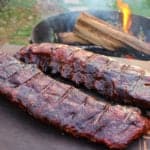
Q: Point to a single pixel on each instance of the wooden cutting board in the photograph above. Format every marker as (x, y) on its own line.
(19, 131)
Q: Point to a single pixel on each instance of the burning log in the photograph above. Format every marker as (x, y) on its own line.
(101, 33)
(71, 38)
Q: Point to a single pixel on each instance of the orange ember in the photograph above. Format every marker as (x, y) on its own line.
(126, 11)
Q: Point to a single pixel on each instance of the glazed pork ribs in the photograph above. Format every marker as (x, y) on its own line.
(116, 81)
(68, 108)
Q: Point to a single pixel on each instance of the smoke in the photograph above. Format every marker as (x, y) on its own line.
(99, 4)
(89, 4)
(53, 7)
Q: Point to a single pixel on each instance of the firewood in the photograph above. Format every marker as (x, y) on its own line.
(102, 33)
(71, 38)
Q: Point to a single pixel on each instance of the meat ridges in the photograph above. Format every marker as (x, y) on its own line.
(67, 107)
(119, 82)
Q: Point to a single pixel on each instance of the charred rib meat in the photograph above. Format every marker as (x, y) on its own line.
(67, 107)
(118, 82)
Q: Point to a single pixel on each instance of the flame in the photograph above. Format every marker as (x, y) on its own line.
(126, 11)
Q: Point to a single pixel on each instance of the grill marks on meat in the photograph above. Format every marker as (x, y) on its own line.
(119, 82)
(68, 108)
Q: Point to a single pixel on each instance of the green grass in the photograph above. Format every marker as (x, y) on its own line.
(17, 21)
(18, 17)
(22, 3)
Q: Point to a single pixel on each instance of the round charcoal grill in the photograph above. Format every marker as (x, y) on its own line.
(46, 29)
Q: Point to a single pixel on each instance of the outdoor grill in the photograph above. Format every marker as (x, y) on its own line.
(45, 31)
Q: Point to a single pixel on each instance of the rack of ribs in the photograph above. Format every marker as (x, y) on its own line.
(68, 108)
(116, 81)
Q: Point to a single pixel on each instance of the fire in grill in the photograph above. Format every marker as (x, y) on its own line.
(59, 28)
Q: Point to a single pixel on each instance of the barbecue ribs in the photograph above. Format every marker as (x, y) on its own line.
(116, 81)
(68, 108)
